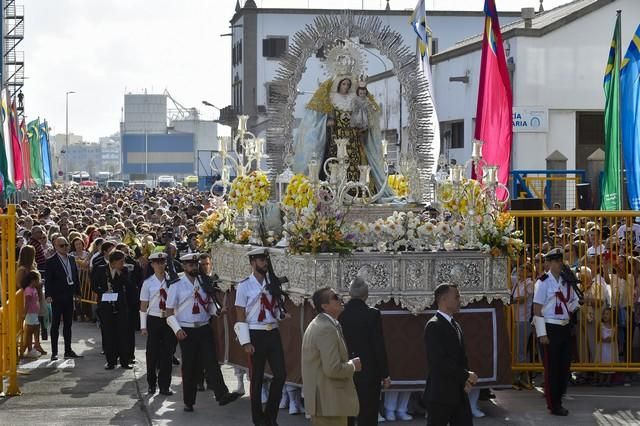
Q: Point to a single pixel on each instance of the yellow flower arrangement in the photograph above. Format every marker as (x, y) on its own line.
(460, 200)
(399, 185)
(249, 191)
(216, 228)
(299, 193)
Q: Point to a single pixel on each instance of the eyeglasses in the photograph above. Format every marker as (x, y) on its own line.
(63, 245)
(335, 296)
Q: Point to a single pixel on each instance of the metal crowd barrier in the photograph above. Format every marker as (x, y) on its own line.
(603, 249)
(12, 304)
(86, 294)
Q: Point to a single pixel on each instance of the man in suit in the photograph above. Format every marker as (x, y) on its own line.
(448, 376)
(327, 371)
(61, 285)
(362, 329)
(112, 283)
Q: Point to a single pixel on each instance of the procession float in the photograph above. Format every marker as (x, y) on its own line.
(327, 202)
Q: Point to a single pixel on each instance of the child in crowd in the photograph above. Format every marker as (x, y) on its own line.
(606, 347)
(31, 284)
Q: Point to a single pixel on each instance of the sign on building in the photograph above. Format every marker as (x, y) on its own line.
(530, 119)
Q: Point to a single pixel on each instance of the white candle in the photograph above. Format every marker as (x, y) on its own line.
(477, 150)
(223, 145)
(384, 147)
(314, 171)
(242, 123)
(364, 174)
(225, 174)
(491, 174)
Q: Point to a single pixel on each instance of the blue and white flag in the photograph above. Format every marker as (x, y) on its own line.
(630, 118)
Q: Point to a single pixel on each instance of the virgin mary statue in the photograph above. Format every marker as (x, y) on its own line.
(328, 116)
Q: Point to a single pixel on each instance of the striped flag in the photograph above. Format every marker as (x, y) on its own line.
(494, 126)
(630, 118)
(33, 133)
(7, 166)
(419, 24)
(18, 161)
(611, 199)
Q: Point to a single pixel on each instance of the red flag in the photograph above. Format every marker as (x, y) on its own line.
(22, 135)
(18, 166)
(495, 102)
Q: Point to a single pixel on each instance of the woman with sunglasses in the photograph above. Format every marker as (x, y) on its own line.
(161, 341)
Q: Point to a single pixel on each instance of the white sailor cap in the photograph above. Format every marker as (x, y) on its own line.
(554, 254)
(191, 257)
(260, 251)
(159, 255)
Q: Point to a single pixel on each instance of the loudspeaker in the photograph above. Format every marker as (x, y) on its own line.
(583, 190)
(531, 227)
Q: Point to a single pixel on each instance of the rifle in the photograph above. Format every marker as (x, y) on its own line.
(274, 286)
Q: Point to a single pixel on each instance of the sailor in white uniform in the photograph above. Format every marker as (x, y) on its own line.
(161, 342)
(189, 309)
(258, 313)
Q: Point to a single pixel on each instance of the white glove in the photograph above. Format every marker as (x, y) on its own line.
(540, 325)
(143, 320)
(172, 322)
(242, 331)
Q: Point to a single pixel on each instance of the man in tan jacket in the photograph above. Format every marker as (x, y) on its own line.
(327, 372)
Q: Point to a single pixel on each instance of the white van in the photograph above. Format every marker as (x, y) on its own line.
(166, 181)
(115, 184)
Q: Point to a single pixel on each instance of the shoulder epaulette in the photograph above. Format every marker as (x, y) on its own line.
(543, 276)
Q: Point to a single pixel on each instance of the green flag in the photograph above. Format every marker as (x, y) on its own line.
(611, 188)
(33, 134)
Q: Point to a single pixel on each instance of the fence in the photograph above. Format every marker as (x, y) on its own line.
(552, 186)
(603, 248)
(12, 304)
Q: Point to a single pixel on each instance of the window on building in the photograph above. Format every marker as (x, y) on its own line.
(236, 53)
(434, 46)
(590, 128)
(589, 135)
(391, 136)
(274, 47)
(451, 135)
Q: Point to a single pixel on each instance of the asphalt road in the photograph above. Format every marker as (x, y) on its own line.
(81, 392)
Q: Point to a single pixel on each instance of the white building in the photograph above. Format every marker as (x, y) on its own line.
(260, 36)
(557, 61)
(110, 154)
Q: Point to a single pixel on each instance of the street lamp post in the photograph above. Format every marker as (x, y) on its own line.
(66, 142)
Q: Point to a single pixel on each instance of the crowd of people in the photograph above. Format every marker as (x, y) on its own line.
(603, 258)
(139, 251)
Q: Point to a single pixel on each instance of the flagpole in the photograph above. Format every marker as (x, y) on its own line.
(621, 159)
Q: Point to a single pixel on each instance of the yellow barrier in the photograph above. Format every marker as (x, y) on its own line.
(12, 310)
(86, 294)
(604, 249)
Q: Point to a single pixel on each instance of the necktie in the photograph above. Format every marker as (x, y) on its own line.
(455, 325)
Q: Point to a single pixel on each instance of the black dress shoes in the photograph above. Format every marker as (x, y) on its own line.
(151, 391)
(126, 366)
(71, 354)
(560, 411)
(188, 408)
(109, 367)
(228, 398)
(166, 392)
(54, 357)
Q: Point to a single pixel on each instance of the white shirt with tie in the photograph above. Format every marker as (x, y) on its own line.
(150, 292)
(181, 299)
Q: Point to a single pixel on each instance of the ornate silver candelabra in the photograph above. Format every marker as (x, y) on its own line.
(340, 190)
